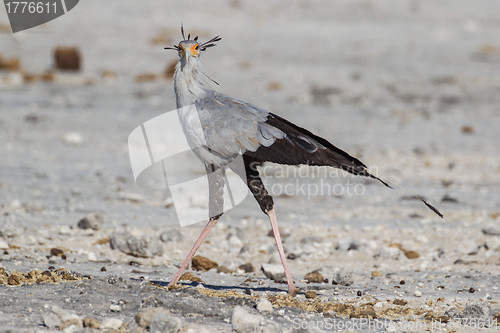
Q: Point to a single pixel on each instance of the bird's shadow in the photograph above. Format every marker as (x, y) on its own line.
(246, 290)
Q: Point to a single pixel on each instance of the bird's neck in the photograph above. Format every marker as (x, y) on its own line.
(188, 82)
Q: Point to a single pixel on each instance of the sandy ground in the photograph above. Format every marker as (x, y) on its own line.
(410, 87)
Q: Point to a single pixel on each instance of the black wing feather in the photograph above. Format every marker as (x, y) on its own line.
(303, 147)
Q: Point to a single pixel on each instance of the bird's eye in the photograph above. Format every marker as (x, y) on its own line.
(196, 47)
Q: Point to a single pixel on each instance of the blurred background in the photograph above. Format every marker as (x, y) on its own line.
(410, 87)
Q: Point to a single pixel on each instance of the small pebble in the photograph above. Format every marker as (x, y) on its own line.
(264, 305)
(51, 320)
(144, 246)
(165, 322)
(244, 321)
(115, 308)
(91, 256)
(111, 323)
(479, 311)
(172, 235)
(311, 294)
(467, 129)
(411, 254)
(273, 272)
(343, 278)
(347, 244)
(67, 58)
(57, 253)
(376, 274)
(201, 263)
(145, 317)
(190, 277)
(247, 268)
(235, 242)
(389, 252)
(90, 322)
(224, 269)
(418, 293)
(73, 138)
(400, 302)
(314, 277)
(92, 221)
(491, 231)
(3, 245)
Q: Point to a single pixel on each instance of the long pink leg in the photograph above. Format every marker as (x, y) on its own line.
(195, 248)
(292, 291)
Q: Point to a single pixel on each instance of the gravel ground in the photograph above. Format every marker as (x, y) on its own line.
(410, 87)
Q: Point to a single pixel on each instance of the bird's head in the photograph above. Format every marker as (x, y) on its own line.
(191, 47)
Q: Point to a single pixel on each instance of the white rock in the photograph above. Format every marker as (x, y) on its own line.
(342, 278)
(479, 311)
(64, 314)
(235, 242)
(264, 305)
(15, 204)
(391, 328)
(493, 243)
(51, 320)
(145, 317)
(418, 293)
(165, 322)
(491, 231)
(115, 308)
(91, 221)
(91, 256)
(3, 245)
(171, 235)
(73, 138)
(274, 272)
(389, 252)
(111, 323)
(244, 321)
(144, 246)
(346, 244)
(422, 239)
(65, 230)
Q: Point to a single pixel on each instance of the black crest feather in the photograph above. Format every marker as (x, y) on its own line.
(203, 46)
(209, 43)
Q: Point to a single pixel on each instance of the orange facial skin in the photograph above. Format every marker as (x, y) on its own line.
(193, 50)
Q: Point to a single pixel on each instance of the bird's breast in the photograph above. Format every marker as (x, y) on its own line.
(192, 125)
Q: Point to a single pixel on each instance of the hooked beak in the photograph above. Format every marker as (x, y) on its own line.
(188, 52)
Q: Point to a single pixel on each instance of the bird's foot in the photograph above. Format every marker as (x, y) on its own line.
(292, 291)
(172, 286)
